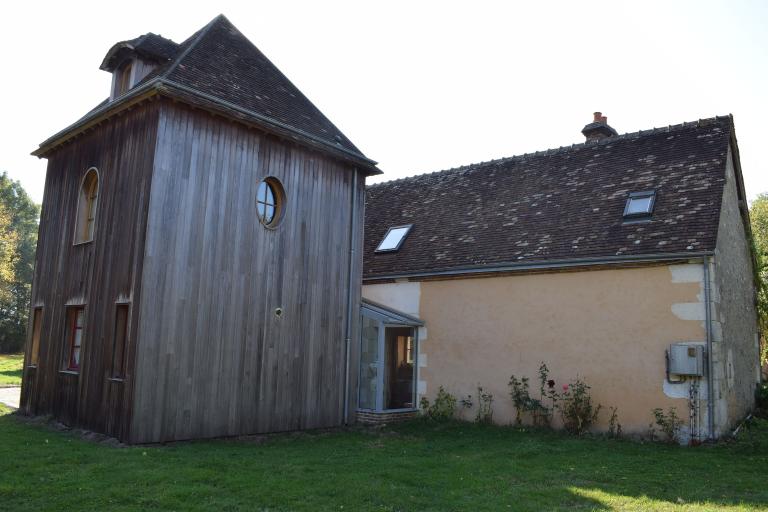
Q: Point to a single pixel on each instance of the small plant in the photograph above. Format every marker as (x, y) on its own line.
(576, 407)
(524, 403)
(651, 432)
(761, 399)
(521, 398)
(614, 427)
(542, 415)
(484, 406)
(443, 407)
(466, 403)
(669, 423)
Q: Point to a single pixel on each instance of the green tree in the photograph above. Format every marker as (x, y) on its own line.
(19, 217)
(758, 215)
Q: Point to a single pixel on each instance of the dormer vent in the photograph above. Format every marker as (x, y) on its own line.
(131, 61)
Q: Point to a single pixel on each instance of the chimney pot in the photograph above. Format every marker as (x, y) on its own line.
(598, 128)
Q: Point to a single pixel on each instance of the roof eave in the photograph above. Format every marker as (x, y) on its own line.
(541, 265)
(171, 89)
(98, 115)
(180, 91)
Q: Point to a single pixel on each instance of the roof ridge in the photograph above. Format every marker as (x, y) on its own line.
(189, 48)
(298, 91)
(554, 151)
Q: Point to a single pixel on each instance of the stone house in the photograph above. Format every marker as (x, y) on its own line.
(624, 260)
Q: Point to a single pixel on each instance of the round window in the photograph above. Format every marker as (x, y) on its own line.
(269, 202)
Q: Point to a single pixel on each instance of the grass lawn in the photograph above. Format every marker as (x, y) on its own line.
(10, 369)
(415, 466)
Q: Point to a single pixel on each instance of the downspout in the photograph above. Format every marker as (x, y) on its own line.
(350, 284)
(710, 380)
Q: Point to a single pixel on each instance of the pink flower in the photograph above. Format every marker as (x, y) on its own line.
(565, 387)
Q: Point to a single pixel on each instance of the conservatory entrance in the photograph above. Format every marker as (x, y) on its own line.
(388, 364)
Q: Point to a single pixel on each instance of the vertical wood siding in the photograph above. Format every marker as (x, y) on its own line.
(213, 358)
(95, 274)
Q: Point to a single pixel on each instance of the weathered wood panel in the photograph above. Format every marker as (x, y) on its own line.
(213, 357)
(96, 274)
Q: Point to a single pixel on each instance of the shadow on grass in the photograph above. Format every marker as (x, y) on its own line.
(414, 466)
(12, 374)
(11, 369)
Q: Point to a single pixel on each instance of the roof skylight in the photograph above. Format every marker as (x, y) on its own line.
(640, 204)
(394, 238)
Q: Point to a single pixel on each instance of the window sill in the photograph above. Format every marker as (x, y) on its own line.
(83, 242)
(69, 372)
(116, 379)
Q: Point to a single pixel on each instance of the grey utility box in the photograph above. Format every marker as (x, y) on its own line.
(686, 359)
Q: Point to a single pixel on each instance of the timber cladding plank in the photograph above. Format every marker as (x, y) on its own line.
(213, 357)
(94, 274)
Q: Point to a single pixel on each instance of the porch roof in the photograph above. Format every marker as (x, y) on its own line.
(392, 315)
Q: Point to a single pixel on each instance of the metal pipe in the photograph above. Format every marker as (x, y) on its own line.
(350, 271)
(710, 379)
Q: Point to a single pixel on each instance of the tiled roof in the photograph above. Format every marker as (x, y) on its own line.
(557, 205)
(225, 64)
(218, 64)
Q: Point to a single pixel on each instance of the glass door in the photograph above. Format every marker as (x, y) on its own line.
(369, 364)
(399, 368)
(387, 365)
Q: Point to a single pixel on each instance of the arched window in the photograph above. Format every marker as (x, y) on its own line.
(269, 202)
(86, 206)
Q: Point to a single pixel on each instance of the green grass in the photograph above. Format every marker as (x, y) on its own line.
(10, 369)
(414, 466)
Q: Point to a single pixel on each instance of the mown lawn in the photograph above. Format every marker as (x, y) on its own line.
(414, 466)
(10, 369)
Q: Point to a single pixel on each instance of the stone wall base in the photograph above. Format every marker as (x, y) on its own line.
(379, 418)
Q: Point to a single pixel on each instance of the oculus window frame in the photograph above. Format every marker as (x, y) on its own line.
(645, 213)
(406, 230)
(270, 202)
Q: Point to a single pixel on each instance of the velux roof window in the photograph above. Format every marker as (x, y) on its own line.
(394, 238)
(639, 204)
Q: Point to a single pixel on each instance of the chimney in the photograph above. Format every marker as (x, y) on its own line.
(598, 128)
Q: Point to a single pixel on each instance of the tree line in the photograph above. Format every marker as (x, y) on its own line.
(758, 216)
(19, 218)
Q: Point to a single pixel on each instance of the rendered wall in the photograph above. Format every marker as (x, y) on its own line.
(610, 327)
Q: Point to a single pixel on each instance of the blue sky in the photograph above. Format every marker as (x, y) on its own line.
(423, 86)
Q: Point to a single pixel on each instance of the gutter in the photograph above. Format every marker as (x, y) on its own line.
(543, 265)
(710, 377)
(350, 286)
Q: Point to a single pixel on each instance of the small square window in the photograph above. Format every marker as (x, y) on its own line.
(640, 204)
(394, 238)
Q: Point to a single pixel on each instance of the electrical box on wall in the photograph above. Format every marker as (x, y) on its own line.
(686, 359)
